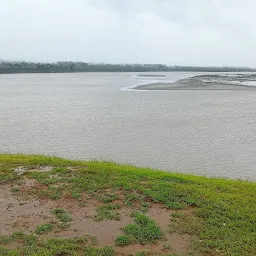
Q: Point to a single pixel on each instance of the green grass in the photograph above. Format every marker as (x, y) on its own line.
(62, 215)
(61, 170)
(52, 192)
(175, 205)
(108, 198)
(145, 206)
(124, 240)
(106, 212)
(167, 247)
(143, 231)
(141, 254)
(11, 238)
(223, 210)
(105, 251)
(30, 245)
(15, 190)
(176, 214)
(186, 224)
(45, 228)
(63, 225)
(131, 199)
(76, 195)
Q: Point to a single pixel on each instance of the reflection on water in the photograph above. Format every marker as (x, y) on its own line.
(87, 116)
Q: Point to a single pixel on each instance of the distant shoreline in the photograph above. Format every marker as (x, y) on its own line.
(14, 67)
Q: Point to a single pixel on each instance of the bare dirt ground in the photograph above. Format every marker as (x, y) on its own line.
(24, 211)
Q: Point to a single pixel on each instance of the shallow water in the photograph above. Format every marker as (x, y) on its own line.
(99, 116)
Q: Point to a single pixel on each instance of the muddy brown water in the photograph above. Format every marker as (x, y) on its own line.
(97, 116)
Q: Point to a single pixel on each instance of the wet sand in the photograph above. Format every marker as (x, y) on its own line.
(150, 75)
(194, 84)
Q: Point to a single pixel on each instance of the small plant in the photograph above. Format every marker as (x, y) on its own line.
(130, 199)
(191, 201)
(60, 170)
(11, 238)
(45, 228)
(63, 225)
(51, 192)
(145, 206)
(129, 203)
(123, 240)
(105, 251)
(43, 178)
(30, 240)
(94, 240)
(15, 189)
(186, 224)
(143, 231)
(176, 215)
(55, 193)
(141, 254)
(174, 205)
(76, 195)
(6, 239)
(105, 212)
(108, 198)
(18, 235)
(167, 247)
(62, 215)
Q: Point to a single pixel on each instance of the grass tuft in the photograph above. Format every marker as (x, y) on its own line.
(123, 240)
(108, 198)
(105, 251)
(45, 228)
(15, 190)
(106, 212)
(62, 215)
(141, 254)
(143, 231)
(174, 205)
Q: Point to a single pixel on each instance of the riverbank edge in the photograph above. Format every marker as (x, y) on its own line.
(223, 208)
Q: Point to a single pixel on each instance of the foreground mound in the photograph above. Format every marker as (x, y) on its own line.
(51, 206)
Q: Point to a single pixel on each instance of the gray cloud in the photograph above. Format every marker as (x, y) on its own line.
(184, 32)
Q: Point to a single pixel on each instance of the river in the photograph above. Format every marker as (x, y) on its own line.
(99, 116)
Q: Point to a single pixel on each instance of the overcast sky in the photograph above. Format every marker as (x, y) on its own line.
(182, 32)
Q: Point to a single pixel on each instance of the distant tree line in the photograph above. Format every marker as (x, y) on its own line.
(9, 67)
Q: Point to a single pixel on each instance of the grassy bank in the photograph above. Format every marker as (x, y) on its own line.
(209, 216)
